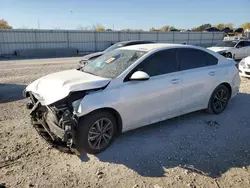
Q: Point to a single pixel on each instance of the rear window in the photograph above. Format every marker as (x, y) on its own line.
(211, 60)
(191, 59)
(194, 58)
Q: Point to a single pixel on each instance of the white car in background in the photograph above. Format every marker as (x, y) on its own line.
(128, 88)
(236, 49)
(244, 67)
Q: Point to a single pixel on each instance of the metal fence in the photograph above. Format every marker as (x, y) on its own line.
(90, 41)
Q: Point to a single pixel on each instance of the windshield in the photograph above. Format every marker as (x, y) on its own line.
(113, 47)
(112, 64)
(226, 44)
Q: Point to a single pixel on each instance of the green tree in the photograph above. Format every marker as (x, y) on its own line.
(230, 25)
(246, 26)
(202, 27)
(4, 24)
(165, 28)
(221, 25)
(172, 28)
(99, 28)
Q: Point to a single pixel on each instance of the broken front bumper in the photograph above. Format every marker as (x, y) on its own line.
(58, 129)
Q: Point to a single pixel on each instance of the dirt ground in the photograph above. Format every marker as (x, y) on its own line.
(195, 150)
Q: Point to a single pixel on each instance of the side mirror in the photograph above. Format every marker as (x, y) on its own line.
(238, 46)
(139, 75)
(83, 63)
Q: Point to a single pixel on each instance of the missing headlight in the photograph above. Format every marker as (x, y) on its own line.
(76, 104)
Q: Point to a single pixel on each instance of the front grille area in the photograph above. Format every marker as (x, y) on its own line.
(47, 120)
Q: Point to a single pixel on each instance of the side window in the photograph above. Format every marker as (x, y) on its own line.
(246, 43)
(211, 60)
(192, 58)
(162, 62)
(240, 44)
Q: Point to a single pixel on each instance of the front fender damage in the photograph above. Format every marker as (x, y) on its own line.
(57, 123)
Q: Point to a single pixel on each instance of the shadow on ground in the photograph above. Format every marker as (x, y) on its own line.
(11, 92)
(203, 143)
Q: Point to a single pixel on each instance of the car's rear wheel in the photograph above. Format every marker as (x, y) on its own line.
(219, 100)
(95, 132)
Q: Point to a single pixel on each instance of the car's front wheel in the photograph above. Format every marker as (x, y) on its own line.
(228, 55)
(95, 132)
(219, 100)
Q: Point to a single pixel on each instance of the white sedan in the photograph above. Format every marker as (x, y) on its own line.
(244, 67)
(236, 49)
(128, 88)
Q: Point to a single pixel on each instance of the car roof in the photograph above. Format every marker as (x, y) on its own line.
(155, 46)
(133, 41)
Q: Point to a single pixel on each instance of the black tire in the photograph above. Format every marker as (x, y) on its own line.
(218, 100)
(229, 55)
(87, 126)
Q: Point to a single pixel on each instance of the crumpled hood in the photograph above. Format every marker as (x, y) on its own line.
(56, 86)
(89, 56)
(219, 49)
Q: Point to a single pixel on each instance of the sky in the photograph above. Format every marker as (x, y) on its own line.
(122, 14)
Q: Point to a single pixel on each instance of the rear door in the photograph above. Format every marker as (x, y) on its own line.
(198, 70)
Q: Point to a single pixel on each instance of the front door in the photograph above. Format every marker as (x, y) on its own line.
(239, 51)
(246, 48)
(149, 101)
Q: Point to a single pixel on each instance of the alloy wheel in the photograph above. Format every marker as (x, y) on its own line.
(100, 134)
(220, 100)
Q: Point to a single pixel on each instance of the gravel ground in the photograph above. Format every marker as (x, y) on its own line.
(195, 150)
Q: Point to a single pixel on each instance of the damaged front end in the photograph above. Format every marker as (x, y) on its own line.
(56, 122)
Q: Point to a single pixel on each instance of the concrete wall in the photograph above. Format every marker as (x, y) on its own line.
(91, 41)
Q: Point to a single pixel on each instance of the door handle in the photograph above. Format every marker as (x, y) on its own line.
(175, 81)
(212, 73)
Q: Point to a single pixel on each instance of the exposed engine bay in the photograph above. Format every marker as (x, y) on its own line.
(57, 122)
